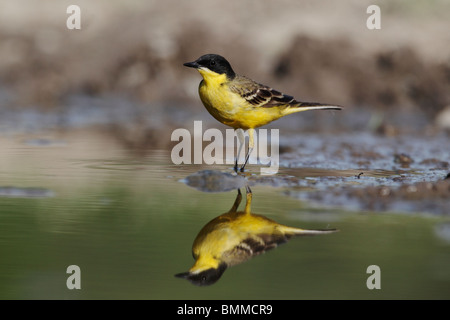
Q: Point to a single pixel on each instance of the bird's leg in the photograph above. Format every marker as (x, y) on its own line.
(241, 138)
(248, 204)
(237, 202)
(251, 144)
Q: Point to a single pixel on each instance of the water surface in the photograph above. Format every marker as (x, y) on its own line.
(129, 222)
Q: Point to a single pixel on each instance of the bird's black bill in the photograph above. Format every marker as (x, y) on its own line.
(206, 277)
(183, 275)
(193, 64)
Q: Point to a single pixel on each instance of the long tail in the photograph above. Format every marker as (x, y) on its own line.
(305, 232)
(304, 106)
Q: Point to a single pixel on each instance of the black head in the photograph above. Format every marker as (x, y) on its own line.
(204, 278)
(213, 62)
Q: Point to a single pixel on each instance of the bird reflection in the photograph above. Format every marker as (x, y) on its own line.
(235, 237)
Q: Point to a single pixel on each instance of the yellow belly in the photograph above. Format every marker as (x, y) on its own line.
(218, 239)
(232, 110)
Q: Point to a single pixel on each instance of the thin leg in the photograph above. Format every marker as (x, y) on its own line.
(237, 202)
(248, 204)
(241, 138)
(251, 144)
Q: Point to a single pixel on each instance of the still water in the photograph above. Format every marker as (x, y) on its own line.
(129, 221)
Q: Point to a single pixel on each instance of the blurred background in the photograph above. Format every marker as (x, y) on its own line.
(125, 63)
(86, 118)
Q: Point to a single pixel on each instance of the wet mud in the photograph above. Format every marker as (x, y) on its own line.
(362, 173)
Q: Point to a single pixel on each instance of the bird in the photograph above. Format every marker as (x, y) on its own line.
(235, 237)
(242, 103)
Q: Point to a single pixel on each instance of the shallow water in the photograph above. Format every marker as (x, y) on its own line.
(129, 222)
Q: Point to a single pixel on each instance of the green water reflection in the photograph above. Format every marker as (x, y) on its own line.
(235, 237)
(129, 225)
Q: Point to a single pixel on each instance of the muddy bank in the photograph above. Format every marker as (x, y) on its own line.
(337, 71)
(136, 54)
(332, 71)
(421, 197)
(366, 172)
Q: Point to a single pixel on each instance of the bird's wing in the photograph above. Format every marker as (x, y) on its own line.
(259, 95)
(253, 245)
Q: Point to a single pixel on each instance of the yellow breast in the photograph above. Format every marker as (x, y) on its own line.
(216, 97)
(229, 107)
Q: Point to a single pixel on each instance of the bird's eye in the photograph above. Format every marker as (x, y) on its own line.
(212, 63)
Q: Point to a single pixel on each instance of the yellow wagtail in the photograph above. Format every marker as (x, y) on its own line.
(242, 103)
(235, 237)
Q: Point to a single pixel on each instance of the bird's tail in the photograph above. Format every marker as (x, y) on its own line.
(307, 232)
(305, 106)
